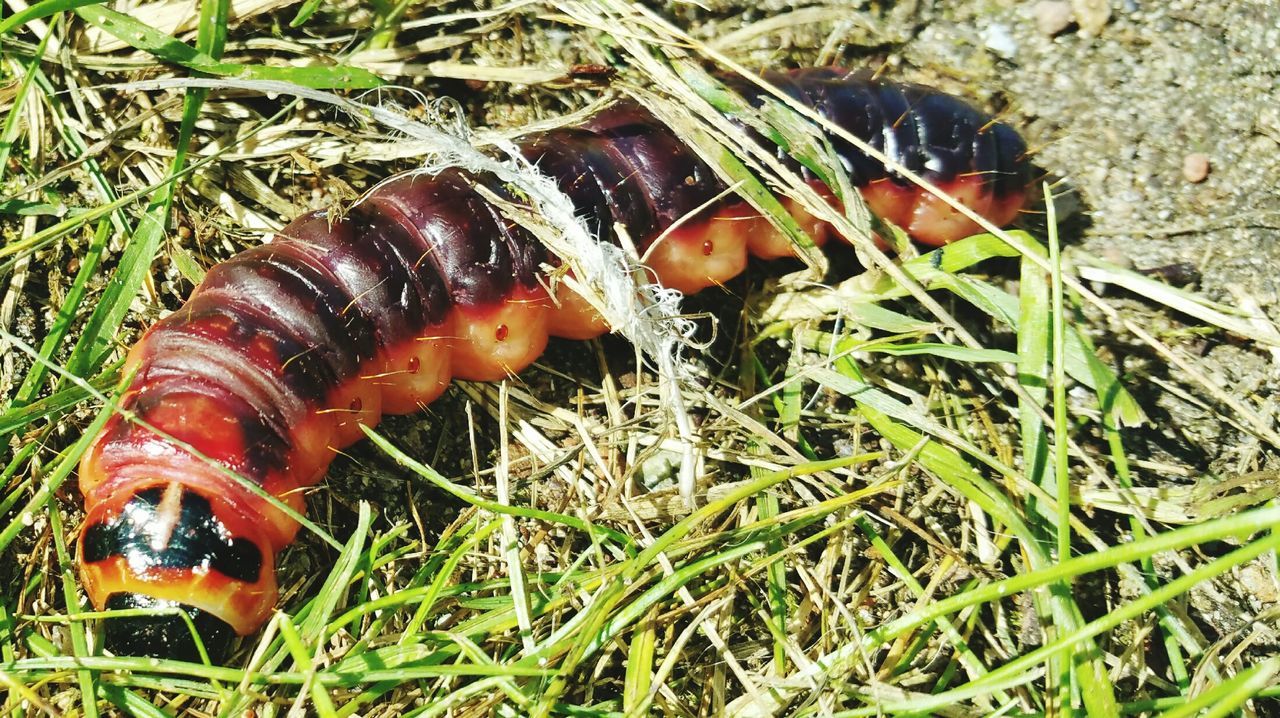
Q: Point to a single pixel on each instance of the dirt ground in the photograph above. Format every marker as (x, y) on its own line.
(1117, 115)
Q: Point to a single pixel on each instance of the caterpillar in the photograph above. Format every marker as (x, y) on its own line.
(286, 349)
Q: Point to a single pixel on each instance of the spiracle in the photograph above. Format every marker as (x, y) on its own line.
(284, 350)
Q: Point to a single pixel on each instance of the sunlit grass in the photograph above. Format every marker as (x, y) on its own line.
(912, 484)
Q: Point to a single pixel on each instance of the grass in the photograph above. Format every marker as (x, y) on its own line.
(919, 491)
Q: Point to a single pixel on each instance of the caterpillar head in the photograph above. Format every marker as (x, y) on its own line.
(191, 560)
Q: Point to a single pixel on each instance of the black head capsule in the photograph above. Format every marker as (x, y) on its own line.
(165, 634)
(168, 551)
(153, 533)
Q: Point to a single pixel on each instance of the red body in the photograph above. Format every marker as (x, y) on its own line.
(284, 350)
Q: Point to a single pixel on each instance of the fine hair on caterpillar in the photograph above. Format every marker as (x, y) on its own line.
(287, 349)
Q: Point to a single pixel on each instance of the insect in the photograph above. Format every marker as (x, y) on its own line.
(284, 350)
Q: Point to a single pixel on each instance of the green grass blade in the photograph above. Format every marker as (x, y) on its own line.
(41, 10)
(168, 48)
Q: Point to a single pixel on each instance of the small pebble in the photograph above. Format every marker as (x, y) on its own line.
(1053, 16)
(1195, 167)
(999, 40)
(1092, 15)
(1118, 257)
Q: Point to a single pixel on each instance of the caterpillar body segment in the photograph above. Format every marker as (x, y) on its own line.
(284, 350)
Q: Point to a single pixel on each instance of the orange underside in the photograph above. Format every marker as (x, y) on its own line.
(479, 343)
(698, 255)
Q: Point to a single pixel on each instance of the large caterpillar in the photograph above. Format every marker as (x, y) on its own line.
(285, 349)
